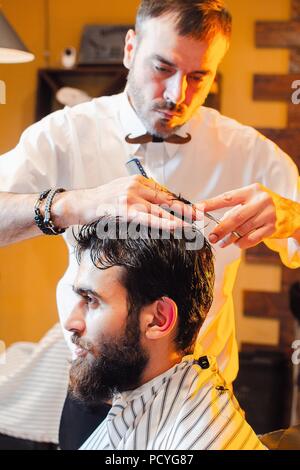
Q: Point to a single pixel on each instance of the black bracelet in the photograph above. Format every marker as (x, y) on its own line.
(45, 224)
(47, 218)
(38, 218)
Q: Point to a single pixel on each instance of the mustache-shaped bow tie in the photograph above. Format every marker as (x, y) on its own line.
(146, 138)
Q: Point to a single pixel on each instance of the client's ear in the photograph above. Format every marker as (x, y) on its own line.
(163, 318)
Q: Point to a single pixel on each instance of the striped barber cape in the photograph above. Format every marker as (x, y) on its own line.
(187, 407)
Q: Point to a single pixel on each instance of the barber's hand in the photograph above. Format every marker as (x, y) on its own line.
(257, 213)
(132, 198)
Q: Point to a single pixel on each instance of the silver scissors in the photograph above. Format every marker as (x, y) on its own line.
(218, 221)
(135, 167)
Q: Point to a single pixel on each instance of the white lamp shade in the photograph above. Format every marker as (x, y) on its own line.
(12, 49)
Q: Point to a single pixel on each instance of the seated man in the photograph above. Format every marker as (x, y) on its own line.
(142, 299)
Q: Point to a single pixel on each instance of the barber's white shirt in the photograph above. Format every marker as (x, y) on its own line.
(84, 147)
(33, 387)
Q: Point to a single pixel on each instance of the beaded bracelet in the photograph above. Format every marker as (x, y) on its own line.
(47, 217)
(38, 215)
(45, 224)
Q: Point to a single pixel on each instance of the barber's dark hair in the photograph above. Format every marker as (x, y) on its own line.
(155, 267)
(200, 19)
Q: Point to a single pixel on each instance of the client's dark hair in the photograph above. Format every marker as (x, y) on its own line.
(155, 265)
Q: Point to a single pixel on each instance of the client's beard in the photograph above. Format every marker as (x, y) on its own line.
(118, 366)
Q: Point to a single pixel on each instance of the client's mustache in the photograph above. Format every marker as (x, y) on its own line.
(82, 343)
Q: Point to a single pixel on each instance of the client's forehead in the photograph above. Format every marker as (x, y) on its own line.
(93, 278)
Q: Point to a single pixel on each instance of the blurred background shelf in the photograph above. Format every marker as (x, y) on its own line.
(98, 80)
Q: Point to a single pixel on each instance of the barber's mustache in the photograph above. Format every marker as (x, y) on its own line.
(82, 343)
(162, 105)
(146, 138)
(167, 105)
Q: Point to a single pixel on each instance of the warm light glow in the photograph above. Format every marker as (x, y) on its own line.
(12, 48)
(13, 56)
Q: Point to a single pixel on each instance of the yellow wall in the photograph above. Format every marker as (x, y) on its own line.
(29, 271)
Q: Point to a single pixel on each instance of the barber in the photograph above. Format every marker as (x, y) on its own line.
(71, 168)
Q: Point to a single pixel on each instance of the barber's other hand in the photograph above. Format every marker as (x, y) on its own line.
(257, 213)
(132, 197)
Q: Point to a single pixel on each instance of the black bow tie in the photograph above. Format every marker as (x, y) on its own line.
(146, 138)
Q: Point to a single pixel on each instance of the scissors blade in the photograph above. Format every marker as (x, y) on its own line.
(211, 217)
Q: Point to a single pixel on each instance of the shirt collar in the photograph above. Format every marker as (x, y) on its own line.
(173, 148)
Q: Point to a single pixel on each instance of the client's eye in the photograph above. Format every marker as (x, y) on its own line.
(91, 301)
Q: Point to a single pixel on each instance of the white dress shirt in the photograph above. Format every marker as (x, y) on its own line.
(185, 408)
(33, 387)
(84, 147)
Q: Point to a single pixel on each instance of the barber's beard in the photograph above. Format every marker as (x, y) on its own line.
(145, 110)
(117, 367)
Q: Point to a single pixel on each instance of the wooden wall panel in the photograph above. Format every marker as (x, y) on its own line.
(261, 254)
(277, 34)
(270, 305)
(295, 61)
(294, 116)
(274, 87)
(295, 10)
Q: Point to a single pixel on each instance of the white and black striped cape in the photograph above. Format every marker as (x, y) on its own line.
(185, 408)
